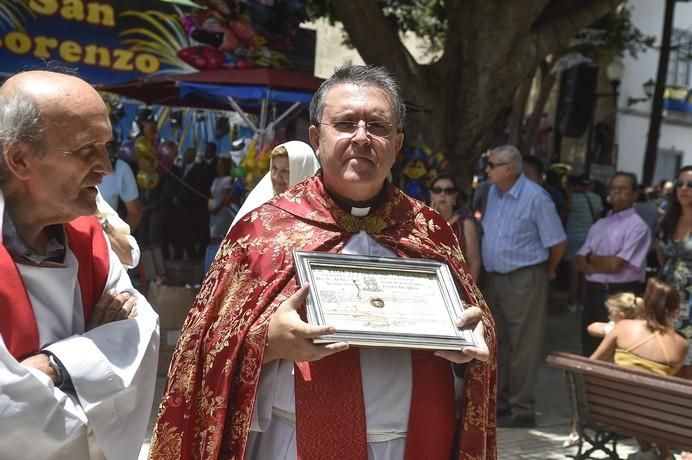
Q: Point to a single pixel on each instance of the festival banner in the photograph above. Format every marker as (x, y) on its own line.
(119, 40)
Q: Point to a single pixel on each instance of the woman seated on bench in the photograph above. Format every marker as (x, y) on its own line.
(649, 344)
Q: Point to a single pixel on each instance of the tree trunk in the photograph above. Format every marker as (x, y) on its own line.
(490, 48)
(516, 123)
(533, 122)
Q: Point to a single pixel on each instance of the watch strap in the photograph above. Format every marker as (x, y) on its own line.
(65, 382)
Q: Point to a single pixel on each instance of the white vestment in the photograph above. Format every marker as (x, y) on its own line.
(112, 367)
(386, 380)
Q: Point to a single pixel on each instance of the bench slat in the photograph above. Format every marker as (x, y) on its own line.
(612, 422)
(654, 394)
(638, 411)
(619, 399)
(633, 419)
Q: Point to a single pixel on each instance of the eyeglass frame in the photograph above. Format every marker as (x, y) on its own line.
(444, 190)
(357, 125)
(491, 165)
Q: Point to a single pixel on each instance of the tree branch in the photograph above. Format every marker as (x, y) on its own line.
(562, 19)
(374, 38)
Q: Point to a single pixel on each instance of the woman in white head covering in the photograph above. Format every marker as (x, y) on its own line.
(290, 163)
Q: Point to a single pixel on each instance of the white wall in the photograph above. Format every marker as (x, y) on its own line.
(331, 52)
(632, 125)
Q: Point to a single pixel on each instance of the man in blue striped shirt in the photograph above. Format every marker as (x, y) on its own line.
(523, 242)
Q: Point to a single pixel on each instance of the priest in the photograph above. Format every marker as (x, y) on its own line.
(246, 380)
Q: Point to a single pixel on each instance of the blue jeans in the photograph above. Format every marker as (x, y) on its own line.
(209, 255)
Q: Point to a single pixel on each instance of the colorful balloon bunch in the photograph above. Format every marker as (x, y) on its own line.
(147, 159)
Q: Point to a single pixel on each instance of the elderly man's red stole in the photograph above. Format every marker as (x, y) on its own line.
(18, 326)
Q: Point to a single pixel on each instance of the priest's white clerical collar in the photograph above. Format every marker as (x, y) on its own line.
(360, 212)
(364, 208)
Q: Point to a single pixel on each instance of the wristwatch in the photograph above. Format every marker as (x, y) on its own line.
(58, 368)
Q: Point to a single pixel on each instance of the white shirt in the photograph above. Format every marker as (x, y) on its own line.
(112, 367)
(121, 184)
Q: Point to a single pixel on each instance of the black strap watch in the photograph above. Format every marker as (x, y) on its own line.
(64, 382)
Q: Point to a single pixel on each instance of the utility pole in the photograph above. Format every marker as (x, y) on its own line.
(657, 103)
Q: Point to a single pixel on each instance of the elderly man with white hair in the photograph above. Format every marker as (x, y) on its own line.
(523, 242)
(78, 345)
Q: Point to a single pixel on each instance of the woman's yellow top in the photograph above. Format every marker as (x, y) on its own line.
(626, 357)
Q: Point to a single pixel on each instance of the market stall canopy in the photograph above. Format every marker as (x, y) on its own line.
(209, 89)
(242, 90)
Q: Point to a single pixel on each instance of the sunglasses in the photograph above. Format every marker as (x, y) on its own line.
(683, 183)
(492, 165)
(445, 190)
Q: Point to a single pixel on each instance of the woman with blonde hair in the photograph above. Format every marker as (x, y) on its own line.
(623, 305)
(649, 344)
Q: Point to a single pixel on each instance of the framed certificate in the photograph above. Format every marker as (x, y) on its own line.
(383, 301)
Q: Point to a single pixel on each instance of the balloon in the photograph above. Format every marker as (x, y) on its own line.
(263, 163)
(202, 57)
(147, 179)
(168, 150)
(127, 152)
(144, 148)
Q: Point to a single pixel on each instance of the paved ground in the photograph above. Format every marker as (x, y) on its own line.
(553, 406)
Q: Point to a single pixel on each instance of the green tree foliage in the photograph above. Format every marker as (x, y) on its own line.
(485, 51)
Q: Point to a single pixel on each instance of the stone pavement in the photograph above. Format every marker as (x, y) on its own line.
(553, 406)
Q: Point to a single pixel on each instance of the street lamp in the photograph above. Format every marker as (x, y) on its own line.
(614, 72)
(649, 89)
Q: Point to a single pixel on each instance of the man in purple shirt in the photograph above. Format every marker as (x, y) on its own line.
(613, 257)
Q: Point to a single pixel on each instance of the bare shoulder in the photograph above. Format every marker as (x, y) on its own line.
(629, 331)
(681, 345)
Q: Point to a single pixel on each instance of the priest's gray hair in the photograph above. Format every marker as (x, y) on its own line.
(20, 121)
(508, 153)
(362, 75)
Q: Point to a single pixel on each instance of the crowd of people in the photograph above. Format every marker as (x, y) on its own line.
(78, 348)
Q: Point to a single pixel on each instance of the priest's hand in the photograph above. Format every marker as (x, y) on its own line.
(290, 338)
(470, 318)
(112, 306)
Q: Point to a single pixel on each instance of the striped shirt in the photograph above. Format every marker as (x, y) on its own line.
(519, 227)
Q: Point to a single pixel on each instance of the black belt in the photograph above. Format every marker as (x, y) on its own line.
(626, 286)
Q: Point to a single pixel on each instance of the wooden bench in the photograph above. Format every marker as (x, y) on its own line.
(609, 401)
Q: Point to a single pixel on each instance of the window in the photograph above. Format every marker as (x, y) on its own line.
(680, 60)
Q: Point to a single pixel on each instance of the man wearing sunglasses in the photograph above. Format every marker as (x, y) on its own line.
(523, 241)
(613, 257)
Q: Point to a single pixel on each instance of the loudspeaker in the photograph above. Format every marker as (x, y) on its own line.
(577, 99)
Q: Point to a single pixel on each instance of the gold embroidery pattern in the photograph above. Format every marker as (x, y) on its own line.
(214, 373)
